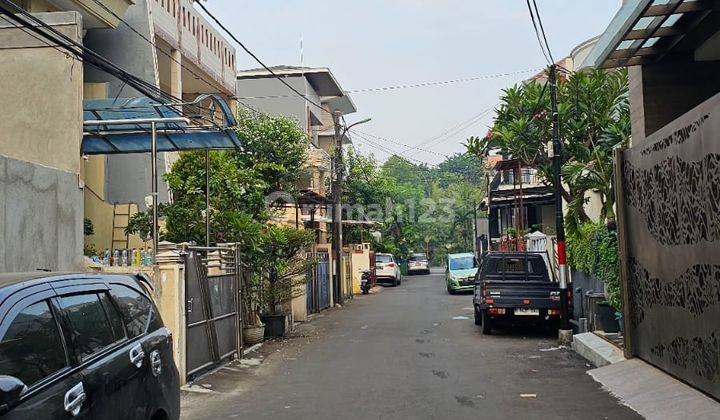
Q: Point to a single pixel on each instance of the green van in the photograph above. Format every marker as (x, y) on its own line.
(460, 272)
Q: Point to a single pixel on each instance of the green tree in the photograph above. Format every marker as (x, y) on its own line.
(593, 113)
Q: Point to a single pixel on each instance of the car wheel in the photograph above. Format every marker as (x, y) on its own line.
(395, 282)
(486, 325)
(478, 317)
(399, 281)
(450, 290)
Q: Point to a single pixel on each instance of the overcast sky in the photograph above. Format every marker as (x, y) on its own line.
(374, 43)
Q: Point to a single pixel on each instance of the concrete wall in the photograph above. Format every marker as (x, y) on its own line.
(670, 89)
(41, 207)
(286, 105)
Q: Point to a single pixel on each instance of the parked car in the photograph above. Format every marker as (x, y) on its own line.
(90, 346)
(460, 270)
(418, 263)
(514, 288)
(387, 269)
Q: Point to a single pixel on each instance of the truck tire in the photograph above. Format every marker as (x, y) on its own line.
(486, 325)
(478, 317)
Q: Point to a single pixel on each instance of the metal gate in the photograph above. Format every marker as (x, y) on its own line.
(347, 290)
(669, 240)
(318, 285)
(212, 293)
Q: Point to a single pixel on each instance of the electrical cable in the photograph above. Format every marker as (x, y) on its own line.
(149, 41)
(410, 86)
(458, 128)
(255, 57)
(542, 29)
(399, 143)
(537, 33)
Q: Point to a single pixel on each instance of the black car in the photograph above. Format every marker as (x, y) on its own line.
(88, 346)
(515, 288)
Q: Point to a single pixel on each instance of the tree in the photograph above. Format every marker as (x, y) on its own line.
(283, 266)
(593, 113)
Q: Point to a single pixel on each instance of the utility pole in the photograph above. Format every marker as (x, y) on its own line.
(559, 222)
(337, 208)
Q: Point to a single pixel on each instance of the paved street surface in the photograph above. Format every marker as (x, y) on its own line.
(408, 352)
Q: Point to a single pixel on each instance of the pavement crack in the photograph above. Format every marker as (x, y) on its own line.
(440, 374)
(426, 355)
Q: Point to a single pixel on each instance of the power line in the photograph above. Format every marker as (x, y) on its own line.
(149, 41)
(548, 57)
(386, 149)
(409, 86)
(34, 24)
(399, 143)
(268, 69)
(542, 29)
(457, 128)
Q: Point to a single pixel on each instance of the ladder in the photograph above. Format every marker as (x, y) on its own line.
(120, 240)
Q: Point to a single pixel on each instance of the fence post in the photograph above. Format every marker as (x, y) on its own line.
(169, 296)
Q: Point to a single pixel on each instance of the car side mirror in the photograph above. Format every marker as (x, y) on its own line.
(11, 389)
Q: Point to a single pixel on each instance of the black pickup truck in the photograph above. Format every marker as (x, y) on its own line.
(513, 288)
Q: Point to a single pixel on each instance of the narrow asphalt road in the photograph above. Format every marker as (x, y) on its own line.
(407, 352)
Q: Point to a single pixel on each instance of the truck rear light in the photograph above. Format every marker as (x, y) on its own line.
(489, 301)
(570, 294)
(526, 301)
(496, 311)
(553, 311)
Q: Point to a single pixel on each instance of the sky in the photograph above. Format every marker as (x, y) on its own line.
(373, 43)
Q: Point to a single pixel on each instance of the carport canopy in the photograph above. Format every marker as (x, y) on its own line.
(209, 124)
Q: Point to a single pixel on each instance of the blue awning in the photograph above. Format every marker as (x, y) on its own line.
(211, 126)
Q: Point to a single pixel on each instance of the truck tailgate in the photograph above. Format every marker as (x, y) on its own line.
(522, 294)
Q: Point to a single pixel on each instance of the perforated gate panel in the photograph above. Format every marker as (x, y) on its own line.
(671, 194)
(211, 314)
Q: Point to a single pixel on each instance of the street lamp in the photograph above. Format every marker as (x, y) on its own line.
(340, 132)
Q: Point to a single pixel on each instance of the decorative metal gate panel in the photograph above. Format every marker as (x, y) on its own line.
(212, 307)
(669, 231)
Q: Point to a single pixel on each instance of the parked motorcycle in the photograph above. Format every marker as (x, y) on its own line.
(365, 283)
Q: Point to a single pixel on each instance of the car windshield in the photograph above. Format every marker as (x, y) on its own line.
(462, 263)
(383, 258)
(418, 257)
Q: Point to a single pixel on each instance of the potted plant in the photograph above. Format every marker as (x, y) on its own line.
(253, 330)
(283, 267)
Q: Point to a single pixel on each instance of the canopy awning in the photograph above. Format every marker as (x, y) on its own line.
(646, 31)
(210, 126)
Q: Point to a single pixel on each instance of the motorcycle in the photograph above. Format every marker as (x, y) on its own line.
(365, 283)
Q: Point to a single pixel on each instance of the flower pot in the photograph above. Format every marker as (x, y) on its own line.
(274, 325)
(606, 319)
(253, 334)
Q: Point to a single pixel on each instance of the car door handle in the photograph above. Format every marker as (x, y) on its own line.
(74, 399)
(136, 355)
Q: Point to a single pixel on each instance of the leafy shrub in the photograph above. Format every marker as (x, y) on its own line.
(593, 250)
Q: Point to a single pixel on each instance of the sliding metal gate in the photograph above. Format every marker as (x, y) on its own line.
(212, 307)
